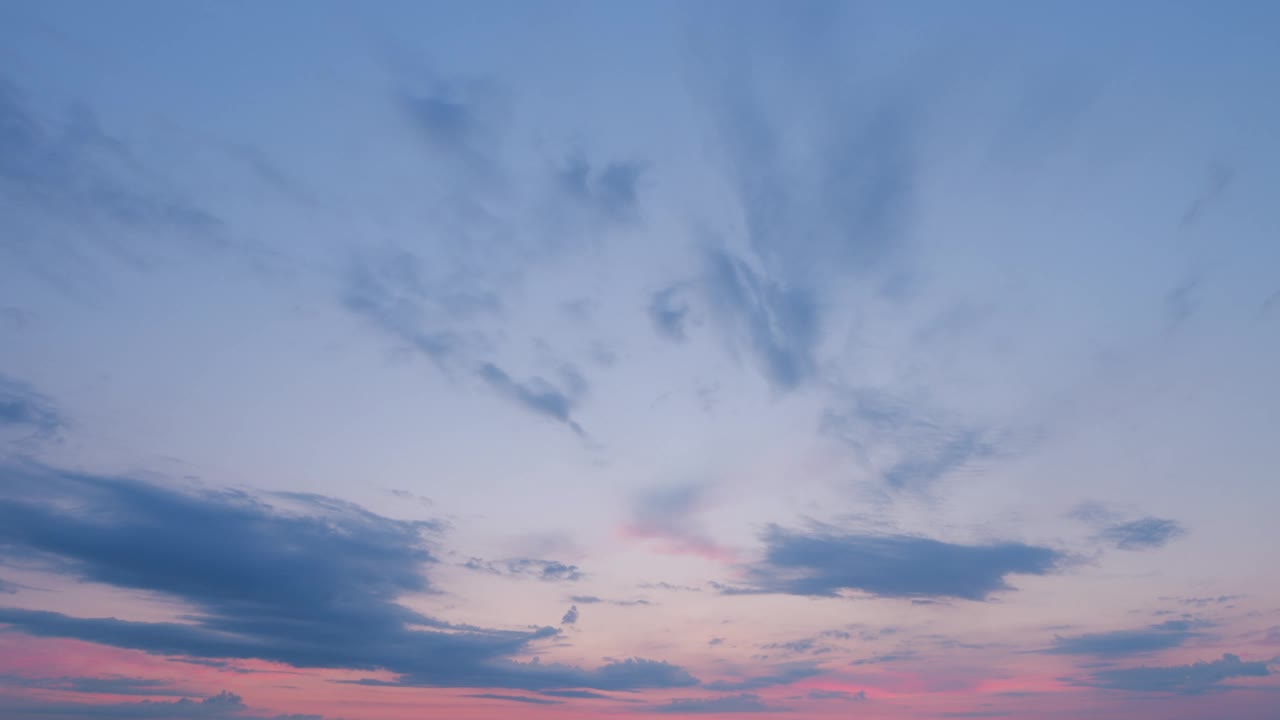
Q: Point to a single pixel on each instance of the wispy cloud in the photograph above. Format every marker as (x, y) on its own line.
(538, 569)
(435, 317)
(836, 203)
(29, 412)
(908, 445)
(667, 516)
(63, 170)
(1142, 534)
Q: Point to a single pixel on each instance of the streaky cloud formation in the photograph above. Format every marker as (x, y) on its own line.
(783, 675)
(723, 705)
(1191, 679)
(773, 358)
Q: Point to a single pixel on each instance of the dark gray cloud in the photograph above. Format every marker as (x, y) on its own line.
(726, 704)
(823, 563)
(781, 675)
(307, 581)
(610, 191)
(669, 314)
(859, 696)
(1142, 534)
(27, 410)
(545, 570)
(570, 616)
(1119, 643)
(1191, 679)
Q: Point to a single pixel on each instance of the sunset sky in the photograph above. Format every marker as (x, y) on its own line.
(471, 360)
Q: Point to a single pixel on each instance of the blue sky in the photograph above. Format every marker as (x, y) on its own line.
(592, 358)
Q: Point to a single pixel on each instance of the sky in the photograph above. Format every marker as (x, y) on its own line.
(583, 359)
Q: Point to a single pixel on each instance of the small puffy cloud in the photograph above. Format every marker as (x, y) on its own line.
(570, 617)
